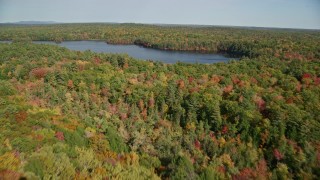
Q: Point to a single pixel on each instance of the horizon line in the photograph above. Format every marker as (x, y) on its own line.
(30, 22)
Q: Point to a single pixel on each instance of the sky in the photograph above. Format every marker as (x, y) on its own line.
(261, 13)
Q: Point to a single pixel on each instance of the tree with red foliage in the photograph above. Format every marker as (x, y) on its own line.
(144, 113)
(254, 80)
(228, 89)
(194, 89)
(181, 84)
(224, 129)
(245, 173)
(9, 174)
(221, 169)
(151, 101)
(59, 135)
(318, 158)
(39, 72)
(260, 103)
(306, 76)
(261, 169)
(235, 80)
(141, 105)
(316, 81)
(277, 154)
(70, 84)
(21, 116)
(123, 116)
(215, 79)
(298, 87)
(197, 144)
(190, 79)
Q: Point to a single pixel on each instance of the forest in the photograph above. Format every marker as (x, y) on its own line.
(83, 115)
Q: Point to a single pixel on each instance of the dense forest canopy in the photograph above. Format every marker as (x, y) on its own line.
(71, 114)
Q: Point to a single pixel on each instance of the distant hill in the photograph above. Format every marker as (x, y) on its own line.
(230, 26)
(32, 22)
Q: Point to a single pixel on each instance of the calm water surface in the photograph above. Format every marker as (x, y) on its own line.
(141, 52)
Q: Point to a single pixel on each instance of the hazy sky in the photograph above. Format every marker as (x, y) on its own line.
(266, 13)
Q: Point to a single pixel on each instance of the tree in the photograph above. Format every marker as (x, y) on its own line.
(47, 164)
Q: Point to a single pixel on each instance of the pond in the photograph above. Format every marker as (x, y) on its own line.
(142, 52)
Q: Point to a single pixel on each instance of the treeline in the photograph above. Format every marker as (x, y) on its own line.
(238, 42)
(70, 114)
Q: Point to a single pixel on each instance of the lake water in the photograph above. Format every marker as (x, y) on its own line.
(141, 52)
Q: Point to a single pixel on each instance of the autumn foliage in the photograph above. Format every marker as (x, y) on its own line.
(39, 72)
(83, 115)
